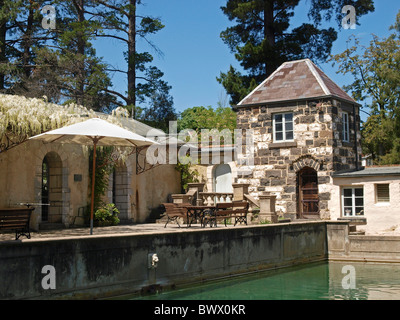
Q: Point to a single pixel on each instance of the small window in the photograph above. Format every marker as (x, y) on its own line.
(382, 193)
(346, 130)
(283, 127)
(353, 201)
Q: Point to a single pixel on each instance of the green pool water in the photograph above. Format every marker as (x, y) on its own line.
(321, 281)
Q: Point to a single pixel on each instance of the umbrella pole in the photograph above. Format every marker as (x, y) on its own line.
(93, 181)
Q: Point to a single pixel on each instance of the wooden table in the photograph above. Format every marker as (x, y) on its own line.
(198, 212)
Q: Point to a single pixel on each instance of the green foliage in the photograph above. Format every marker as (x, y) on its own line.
(161, 111)
(104, 166)
(238, 85)
(20, 33)
(188, 174)
(62, 63)
(107, 214)
(212, 126)
(59, 63)
(376, 73)
(262, 38)
(198, 118)
(121, 21)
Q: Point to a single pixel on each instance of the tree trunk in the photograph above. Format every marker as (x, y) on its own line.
(27, 55)
(79, 6)
(269, 32)
(132, 58)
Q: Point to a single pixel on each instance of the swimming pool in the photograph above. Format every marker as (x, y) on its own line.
(317, 281)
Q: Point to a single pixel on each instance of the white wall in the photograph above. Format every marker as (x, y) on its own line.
(381, 217)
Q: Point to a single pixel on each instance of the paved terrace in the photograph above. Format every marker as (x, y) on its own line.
(155, 228)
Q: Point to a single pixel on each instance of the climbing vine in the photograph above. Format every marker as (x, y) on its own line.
(188, 173)
(104, 167)
(21, 117)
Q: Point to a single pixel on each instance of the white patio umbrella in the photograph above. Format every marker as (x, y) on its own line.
(96, 132)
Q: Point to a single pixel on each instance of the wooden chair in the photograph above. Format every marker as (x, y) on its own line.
(237, 210)
(174, 212)
(240, 210)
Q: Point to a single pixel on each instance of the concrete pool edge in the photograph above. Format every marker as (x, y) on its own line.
(114, 265)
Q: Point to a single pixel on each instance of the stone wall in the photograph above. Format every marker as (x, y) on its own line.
(96, 266)
(21, 182)
(345, 247)
(317, 144)
(345, 153)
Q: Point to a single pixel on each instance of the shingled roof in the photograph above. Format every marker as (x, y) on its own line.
(295, 80)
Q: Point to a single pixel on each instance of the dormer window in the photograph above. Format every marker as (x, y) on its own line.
(283, 127)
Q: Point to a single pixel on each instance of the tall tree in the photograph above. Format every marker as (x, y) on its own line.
(161, 110)
(376, 73)
(20, 34)
(84, 78)
(121, 21)
(262, 39)
(3, 32)
(59, 63)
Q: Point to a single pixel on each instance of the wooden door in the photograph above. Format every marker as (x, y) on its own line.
(308, 194)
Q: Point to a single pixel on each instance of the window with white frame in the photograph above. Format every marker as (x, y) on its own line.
(283, 127)
(382, 192)
(352, 201)
(346, 129)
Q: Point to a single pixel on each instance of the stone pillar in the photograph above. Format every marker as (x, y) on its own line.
(338, 239)
(267, 208)
(197, 187)
(239, 190)
(181, 198)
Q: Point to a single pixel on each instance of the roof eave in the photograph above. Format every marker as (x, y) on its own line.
(292, 100)
(362, 175)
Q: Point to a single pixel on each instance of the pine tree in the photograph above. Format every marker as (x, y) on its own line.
(262, 38)
(122, 22)
(82, 76)
(20, 34)
(59, 63)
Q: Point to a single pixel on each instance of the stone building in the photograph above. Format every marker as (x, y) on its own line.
(305, 128)
(54, 178)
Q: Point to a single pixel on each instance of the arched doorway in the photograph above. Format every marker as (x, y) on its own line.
(223, 178)
(307, 194)
(45, 189)
(52, 195)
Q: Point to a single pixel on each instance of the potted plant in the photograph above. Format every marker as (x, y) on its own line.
(107, 215)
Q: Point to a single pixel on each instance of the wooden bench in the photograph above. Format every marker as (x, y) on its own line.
(16, 219)
(174, 212)
(231, 210)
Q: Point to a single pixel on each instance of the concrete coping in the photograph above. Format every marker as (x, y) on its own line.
(354, 220)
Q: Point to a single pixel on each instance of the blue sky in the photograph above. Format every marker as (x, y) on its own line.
(194, 54)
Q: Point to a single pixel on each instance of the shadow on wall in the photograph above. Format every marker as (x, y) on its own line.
(155, 214)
